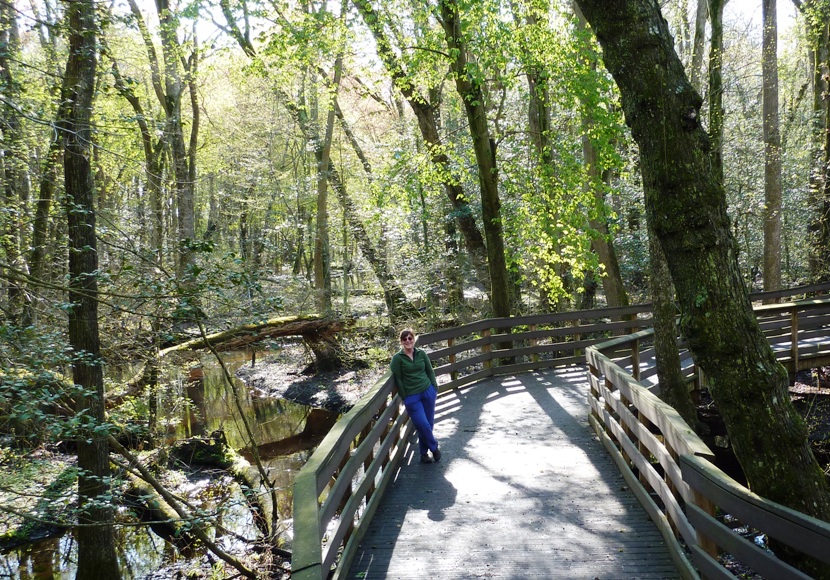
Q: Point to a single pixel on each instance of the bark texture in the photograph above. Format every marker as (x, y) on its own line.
(772, 150)
(686, 205)
(716, 87)
(96, 544)
(673, 389)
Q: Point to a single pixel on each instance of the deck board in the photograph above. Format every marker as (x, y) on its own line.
(525, 490)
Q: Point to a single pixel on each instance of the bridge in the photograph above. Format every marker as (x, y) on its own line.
(560, 462)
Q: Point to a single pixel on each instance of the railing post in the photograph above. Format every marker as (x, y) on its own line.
(610, 410)
(635, 359)
(307, 556)
(794, 337)
(642, 447)
(368, 461)
(450, 344)
(487, 348)
(534, 342)
(703, 541)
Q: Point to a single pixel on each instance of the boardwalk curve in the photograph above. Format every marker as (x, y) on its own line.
(525, 490)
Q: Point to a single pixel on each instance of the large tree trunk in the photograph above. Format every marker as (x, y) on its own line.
(471, 91)
(174, 86)
(539, 125)
(96, 545)
(686, 205)
(322, 255)
(169, 85)
(772, 150)
(153, 160)
(612, 283)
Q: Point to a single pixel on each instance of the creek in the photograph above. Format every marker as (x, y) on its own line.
(287, 434)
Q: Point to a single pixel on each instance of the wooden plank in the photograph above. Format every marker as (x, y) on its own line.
(671, 507)
(680, 437)
(761, 561)
(807, 534)
(462, 364)
(465, 380)
(352, 547)
(652, 509)
(356, 500)
(524, 490)
(357, 457)
(709, 567)
(542, 364)
(457, 347)
(811, 289)
(654, 446)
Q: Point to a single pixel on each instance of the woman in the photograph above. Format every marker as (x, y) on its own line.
(415, 381)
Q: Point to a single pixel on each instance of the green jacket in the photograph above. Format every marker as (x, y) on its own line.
(412, 376)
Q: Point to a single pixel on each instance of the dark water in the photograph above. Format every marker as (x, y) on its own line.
(287, 434)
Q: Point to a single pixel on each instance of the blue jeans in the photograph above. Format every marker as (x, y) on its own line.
(421, 409)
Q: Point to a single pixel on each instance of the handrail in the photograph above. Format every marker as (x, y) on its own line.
(338, 490)
(661, 457)
(712, 486)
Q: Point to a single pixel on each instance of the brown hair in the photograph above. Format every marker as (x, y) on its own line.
(406, 332)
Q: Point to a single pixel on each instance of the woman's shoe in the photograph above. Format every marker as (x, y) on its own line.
(426, 459)
(436, 455)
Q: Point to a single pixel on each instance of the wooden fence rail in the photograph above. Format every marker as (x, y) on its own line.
(669, 467)
(714, 489)
(337, 492)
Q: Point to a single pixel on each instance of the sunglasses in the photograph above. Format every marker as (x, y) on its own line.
(407, 338)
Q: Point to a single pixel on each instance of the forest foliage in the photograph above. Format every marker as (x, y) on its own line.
(393, 162)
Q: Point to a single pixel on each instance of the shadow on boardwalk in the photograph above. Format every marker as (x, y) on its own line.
(525, 490)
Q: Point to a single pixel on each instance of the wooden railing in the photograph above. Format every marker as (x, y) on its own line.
(669, 467)
(338, 490)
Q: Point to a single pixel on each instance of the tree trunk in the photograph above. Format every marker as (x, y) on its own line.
(686, 204)
(12, 160)
(322, 256)
(153, 160)
(398, 305)
(612, 283)
(673, 389)
(772, 150)
(539, 125)
(470, 90)
(173, 86)
(96, 545)
(168, 86)
(427, 115)
(699, 43)
(716, 88)
(817, 23)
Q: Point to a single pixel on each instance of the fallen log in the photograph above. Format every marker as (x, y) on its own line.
(198, 532)
(213, 451)
(320, 334)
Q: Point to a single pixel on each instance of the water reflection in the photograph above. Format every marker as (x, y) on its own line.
(286, 433)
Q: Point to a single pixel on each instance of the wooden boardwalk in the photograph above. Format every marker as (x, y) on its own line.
(525, 490)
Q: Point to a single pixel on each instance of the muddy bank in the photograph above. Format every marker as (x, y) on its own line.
(336, 390)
